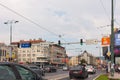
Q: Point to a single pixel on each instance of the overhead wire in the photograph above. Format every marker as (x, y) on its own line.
(28, 19)
(31, 21)
(105, 10)
(107, 13)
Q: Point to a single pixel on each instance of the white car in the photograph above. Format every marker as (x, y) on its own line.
(65, 68)
(90, 69)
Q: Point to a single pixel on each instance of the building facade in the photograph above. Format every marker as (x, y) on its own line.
(39, 51)
(4, 52)
(90, 59)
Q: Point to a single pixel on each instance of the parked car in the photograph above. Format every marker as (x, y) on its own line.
(78, 72)
(37, 69)
(50, 69)
(90, 69)
(14, 71)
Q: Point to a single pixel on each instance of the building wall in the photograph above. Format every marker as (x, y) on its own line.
(73, 61)
(4, 50)
(40, 52)
(90, 59)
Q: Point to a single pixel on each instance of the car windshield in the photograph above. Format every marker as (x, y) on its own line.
(89, 66)
(76, 68)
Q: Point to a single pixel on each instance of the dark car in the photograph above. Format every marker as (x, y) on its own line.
(37, 69)
(14, 71)
(50, 69)
(78, 72)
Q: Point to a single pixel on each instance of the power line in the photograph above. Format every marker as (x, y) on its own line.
(31, 21)
(105, 10)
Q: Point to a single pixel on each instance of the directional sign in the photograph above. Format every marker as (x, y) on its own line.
(91, 41)
(25, 45)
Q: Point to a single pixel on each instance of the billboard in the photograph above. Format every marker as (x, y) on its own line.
(117, 51)
(117, 39)
(105, 41)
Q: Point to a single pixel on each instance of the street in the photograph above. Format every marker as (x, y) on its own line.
(64, 75)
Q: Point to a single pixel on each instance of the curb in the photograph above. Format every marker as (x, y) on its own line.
(96, 77)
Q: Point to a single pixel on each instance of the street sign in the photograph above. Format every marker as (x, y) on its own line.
(25, 45)
(91, 41)
(108, 53)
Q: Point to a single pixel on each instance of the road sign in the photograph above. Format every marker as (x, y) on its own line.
(91, 41)
(108, 53)
(25, 45)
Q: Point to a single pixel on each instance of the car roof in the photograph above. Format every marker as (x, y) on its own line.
(7, 63)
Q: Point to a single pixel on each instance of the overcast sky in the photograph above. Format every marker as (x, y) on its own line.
(47, 19)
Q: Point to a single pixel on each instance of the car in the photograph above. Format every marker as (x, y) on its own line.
(65, 68)
(78, 71)
(117, 68)
(14, 71)
(50, 69)
(90, 69)
(37, 69)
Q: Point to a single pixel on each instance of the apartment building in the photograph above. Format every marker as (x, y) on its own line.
(4, 52)
(89, 58)
(39, 51)
(57, 54)
(73, 61)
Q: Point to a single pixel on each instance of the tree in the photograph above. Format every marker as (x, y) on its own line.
(83, 61)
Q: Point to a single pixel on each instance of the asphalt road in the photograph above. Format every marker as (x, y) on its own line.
(90, 77)
(64, 75)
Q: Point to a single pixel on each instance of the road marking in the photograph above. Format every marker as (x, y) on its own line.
(57, 77)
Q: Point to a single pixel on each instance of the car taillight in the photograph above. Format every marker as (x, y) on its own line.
(80, 72)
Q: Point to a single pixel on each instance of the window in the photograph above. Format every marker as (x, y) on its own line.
(25, 73)
(6, 73)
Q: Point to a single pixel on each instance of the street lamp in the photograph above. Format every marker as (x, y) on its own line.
(10, 22)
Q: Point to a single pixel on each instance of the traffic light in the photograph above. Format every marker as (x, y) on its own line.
(59, 43)
(81, 41)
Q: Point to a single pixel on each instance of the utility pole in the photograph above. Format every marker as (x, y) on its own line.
(112, 38)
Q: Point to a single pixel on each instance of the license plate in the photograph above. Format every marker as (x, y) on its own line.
(75, 72)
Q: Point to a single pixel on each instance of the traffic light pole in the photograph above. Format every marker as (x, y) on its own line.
(112, 39)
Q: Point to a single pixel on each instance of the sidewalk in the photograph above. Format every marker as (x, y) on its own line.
(115, 77)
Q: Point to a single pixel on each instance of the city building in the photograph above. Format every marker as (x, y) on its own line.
(90, 59)
(4, 52)
(39, 52)
(73, 61)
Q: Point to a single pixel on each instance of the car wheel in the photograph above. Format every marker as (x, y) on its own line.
(71, 77)
(87, 76)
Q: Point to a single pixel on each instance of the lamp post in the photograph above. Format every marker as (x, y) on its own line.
(10, 22)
